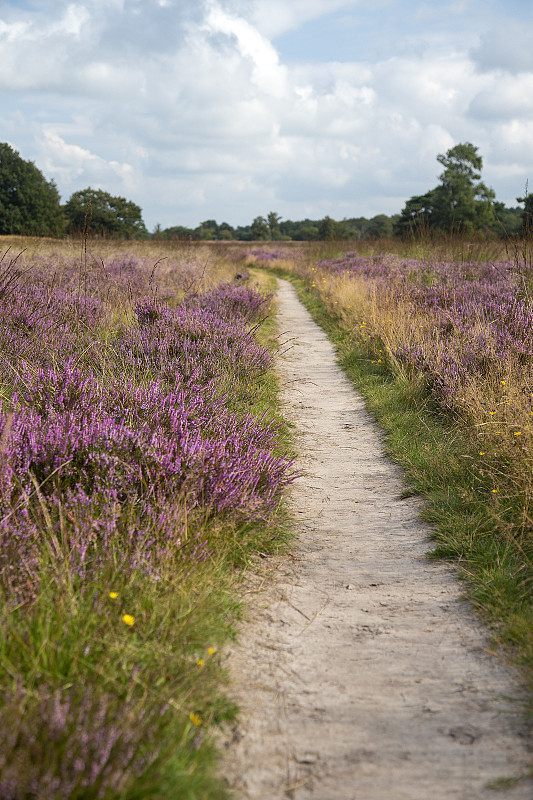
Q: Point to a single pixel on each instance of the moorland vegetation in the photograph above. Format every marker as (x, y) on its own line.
(142, 464)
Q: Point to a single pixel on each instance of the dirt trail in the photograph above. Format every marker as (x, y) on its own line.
(362, 674)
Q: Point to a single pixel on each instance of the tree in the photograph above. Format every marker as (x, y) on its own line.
(260, 229)
(508, 221)
(417, 215)
(326, 229)
(527, 214)
(380, 225)
(273, 221)
(206, 230)
(462, 202)
(29, 204)
(98, 213)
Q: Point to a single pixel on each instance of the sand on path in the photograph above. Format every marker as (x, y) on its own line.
(362, 674)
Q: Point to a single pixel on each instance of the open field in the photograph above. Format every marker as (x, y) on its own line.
(142, 465)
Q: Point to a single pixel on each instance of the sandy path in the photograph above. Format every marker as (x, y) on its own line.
(362, 674)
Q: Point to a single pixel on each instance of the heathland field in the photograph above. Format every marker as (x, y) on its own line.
(144, 463)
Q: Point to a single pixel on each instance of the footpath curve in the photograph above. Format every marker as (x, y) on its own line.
(362, 673)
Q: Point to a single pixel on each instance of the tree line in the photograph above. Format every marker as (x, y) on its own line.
(30, 205)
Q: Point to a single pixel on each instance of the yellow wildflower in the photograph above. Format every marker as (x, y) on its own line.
(127, 619)
(195, 719)
(113, 595)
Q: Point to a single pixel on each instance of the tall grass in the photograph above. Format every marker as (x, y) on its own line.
(139, 467)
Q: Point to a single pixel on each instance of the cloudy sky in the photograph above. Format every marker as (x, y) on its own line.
(227, 109)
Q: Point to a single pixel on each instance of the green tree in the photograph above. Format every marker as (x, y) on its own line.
(260, 229)
(508, 221)
(99, 213)
(226, 231)
(206, 230)
(273, 221)
(29, 204)
(326, 229)
(417, 215)
(178, 232)
(527, 214)
(380, 225)
(461, 202)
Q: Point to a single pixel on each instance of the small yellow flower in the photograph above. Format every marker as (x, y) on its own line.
(113, 595)
(127, 619)
(503, 383)
(200, 662)
(518, 433)
(379, 360)
(495, 491)
(482, 452)
(492, 413)
(212, 651)
(195, 719)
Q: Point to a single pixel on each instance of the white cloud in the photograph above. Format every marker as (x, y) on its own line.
(506, 47)
(274, 17)
(267, 73)
(504, 99)
(191, 109)
(70, 163)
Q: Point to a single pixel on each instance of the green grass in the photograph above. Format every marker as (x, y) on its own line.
(438, 457)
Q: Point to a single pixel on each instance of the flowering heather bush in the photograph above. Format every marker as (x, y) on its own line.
(103, 754)
(32, 321)
(97, 451)
(232, 301)
(196, 342)
(459, 335)
(116, 461)
(468, 320)
(267, 256)
(116, 277)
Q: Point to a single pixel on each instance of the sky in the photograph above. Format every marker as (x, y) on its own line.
(230, 109)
